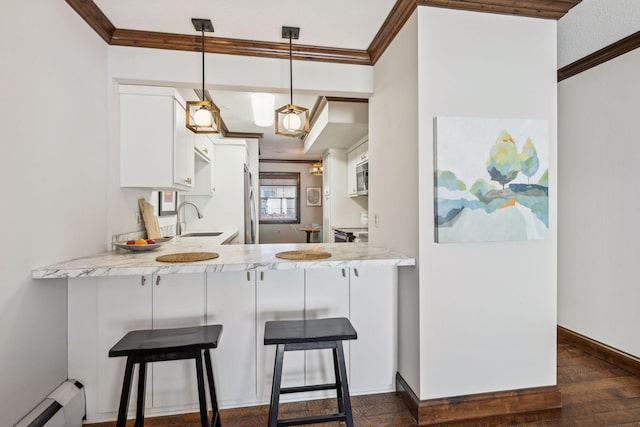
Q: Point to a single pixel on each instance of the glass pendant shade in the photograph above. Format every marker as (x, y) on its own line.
(203, 117)
(292, 120)
(316, 169)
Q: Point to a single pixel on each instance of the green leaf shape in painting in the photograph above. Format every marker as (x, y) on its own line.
(503, 164)
(449, 180)
(529, 163)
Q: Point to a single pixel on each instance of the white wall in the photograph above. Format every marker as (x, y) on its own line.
(393, 195)
(53, 150)
(599, 237)
(594, 24)
(289, 233)
(488, 311)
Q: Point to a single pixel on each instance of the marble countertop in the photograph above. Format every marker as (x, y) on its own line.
(231, 258)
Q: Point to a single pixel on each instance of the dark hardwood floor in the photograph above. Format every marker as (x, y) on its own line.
(594, 394)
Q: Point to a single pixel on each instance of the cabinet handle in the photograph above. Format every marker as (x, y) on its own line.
(344, 273)
(143, 280)
(262, 275)
(355, 271)
(213, 189)
(157, 280)
(248, 276)
(206, 150)
(187, 181)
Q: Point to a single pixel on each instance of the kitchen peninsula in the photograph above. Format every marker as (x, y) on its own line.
(114, 292)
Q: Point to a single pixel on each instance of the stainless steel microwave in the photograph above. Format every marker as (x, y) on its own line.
(362, 178)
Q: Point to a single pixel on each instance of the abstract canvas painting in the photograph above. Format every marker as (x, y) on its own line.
(491, 180)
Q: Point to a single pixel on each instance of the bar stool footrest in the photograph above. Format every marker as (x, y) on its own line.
(302, 389)
(312, 420)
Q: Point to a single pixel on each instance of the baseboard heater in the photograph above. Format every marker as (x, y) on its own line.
(65, 407)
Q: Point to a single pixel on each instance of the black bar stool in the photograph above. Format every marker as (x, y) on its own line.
(158, 345)
(293, 335)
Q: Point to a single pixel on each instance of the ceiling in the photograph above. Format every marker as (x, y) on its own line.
(322, 23)
(354, 31)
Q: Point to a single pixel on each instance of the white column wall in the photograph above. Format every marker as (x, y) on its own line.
(53, 147)
(599, 237)
(487, 310)
(394, 186)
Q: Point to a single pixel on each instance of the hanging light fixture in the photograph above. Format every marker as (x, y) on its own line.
(316, 169)
(291, 120)
(203, 116)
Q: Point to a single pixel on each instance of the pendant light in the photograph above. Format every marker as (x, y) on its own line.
(316, 169)
(202, 116)
(291, 120)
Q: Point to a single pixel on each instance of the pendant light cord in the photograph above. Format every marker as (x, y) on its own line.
(290, 71)
(203, 63)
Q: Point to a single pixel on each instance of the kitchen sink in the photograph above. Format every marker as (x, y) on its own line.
(203, 234)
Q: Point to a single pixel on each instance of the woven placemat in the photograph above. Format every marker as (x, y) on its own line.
(187, 257)
(305, 255)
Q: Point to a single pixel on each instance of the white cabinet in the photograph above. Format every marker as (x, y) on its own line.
(204, 169)
(356, 156)
(279, 296)
(156, 148)
(203, 146)
(326, 295)
(352, 188)
(103, 309)
(178, 301)
(124, 305)
(231, 302)
(373, 302)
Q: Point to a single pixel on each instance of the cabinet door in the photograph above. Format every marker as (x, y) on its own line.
(326, 295)
(183, 162)
(373, 299)
(124, 305)
(231, 302)
(178, 301)
(351, 173)
(279, 296)
(204, 184)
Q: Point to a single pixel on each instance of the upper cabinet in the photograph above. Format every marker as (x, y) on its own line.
(204, 184)
(156, 148)
(358, 154)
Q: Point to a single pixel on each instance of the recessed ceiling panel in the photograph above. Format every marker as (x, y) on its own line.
(330, 23)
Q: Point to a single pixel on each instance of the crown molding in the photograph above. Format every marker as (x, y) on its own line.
(220, 45)
(400, 13)
(396, 19)
(601, 56)
(93, 16)
(547, 9)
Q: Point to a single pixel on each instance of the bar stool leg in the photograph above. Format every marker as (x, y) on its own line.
(336, 370)
(345, 384)
(275, 386)
(204, 418)
(126, 392)
(215, 418)
(142, 374)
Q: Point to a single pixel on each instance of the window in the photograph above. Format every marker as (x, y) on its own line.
(279, 198)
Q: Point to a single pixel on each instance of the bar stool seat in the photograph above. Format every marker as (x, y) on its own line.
(296, 335)
(157, 345)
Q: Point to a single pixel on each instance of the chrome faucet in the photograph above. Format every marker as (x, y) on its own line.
(178, 225)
